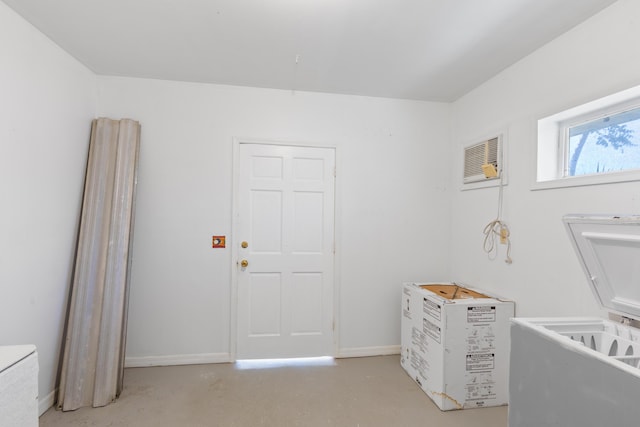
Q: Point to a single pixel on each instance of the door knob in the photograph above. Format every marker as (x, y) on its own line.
(244, 245)
(244, 263)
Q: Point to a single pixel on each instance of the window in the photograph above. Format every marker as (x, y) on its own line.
(595, 143)
(606, 144)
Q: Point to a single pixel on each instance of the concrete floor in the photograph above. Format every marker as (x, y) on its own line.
(371, 391)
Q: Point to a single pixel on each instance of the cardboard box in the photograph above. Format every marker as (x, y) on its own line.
(455, 344)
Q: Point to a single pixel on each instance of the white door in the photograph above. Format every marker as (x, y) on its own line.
(286, 222)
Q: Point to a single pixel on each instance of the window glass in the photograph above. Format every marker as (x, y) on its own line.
(606, 144)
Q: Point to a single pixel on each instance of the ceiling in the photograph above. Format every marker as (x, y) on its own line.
(435, 50)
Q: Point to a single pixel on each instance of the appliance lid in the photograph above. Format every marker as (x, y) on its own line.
(12, 354)
(608, 248)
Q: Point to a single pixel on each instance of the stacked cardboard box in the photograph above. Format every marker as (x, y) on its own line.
(455, 344)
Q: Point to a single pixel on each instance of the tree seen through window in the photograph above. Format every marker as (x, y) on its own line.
(606, 144)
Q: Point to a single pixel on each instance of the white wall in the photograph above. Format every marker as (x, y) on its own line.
(596, 58)
(396, 180)
(47, 102)
(392, 205)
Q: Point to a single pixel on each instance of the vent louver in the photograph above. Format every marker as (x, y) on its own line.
(477, 155)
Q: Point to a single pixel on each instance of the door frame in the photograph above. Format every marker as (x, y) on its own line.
(235, 214)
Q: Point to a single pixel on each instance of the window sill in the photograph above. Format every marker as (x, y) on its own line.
(482, 184)
(588, 180)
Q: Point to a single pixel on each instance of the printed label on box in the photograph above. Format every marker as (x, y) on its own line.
(480, 387)
(481, 362)
(418, 340)
(432, 309)
(432, 330)
(406, 313)
(420, 365)
(481, 314)
(406, 303)
(481, 339)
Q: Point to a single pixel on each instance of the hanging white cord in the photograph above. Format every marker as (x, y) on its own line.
(497, 229)
(295, 74)
(492, 231)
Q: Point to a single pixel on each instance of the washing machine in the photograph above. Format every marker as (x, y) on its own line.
(584, 371)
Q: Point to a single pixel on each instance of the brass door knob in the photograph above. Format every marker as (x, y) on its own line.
(244, 263)
(244, 245)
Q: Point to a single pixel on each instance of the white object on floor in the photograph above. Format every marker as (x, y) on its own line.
(18, 386)
(455, 344)
(584, 371)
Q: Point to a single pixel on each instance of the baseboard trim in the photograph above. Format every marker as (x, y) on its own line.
(47, 402)
(368, 351)
(204, 358)
(177, 359)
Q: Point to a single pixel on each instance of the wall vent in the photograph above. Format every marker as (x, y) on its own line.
(481, 161)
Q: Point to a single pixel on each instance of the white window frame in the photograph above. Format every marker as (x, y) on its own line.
(553, 139)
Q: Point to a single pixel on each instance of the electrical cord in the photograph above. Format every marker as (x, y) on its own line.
(497, 228)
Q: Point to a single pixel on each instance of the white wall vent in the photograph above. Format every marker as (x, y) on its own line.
(482, 161)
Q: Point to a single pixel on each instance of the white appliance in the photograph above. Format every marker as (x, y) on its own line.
(18, 386)
(584, 371)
